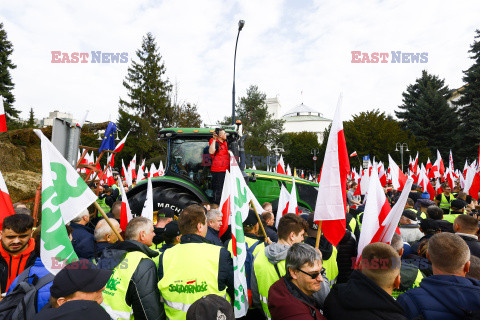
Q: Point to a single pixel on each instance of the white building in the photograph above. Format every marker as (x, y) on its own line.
(60, 115)
(300, 118)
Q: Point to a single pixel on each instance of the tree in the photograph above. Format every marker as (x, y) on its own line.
(298, 147)
(427, 114)
(31, 120)
(469, 103)
(376, 134)
(149, 108)
(185, 115)
(6, 83)
(257, 122)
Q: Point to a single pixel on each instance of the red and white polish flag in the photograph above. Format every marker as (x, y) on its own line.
(6, 206)
(3, 119)
(125, 213)
(331, 199)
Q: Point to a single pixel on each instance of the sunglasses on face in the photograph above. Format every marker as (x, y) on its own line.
(312, 275)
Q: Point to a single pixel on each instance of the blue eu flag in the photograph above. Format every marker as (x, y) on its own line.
(108, 142)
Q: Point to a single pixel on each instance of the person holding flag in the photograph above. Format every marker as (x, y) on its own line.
(220, 162)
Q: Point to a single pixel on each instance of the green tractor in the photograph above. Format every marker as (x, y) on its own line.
(187, 178)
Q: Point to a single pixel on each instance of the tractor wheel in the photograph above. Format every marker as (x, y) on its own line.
(174, 198)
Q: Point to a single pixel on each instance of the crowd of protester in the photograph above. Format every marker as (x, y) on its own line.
(179, 267)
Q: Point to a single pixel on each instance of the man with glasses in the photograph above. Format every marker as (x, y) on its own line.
(291, 297)
(269, 264)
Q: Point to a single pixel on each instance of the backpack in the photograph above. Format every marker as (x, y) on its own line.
(249, 261)
(21, 303)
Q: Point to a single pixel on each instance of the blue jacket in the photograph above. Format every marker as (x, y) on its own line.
(212, 236)
(83, 241)
(442, 297)
(43, 294)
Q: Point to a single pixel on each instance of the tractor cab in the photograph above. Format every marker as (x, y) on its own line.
(188, 155)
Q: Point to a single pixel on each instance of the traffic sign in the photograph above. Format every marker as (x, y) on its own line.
(314, 158)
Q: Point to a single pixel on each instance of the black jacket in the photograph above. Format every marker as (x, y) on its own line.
(225, 269)
(99, 247)
(73, 310)
(347, 253)
(473, 244)
(360, 298)
(271, 233)
(142, 293)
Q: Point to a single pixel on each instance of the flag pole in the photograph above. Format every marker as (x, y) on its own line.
(319, 234)
(108, 220)
(259, 221)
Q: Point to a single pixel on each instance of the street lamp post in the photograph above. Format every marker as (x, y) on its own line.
(278, 149)
(401, 146)
(241, 23)
(314, 152)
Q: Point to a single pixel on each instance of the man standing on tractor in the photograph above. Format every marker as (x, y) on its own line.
(220, 162)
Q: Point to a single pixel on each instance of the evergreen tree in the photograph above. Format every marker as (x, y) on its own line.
(257, 122)
(149, 109)
(31, 120)
(469, 104)
(427, 114)
(6, 84)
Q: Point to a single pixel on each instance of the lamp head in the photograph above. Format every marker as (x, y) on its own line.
(407, 150)
(396, 149)
(241, 23)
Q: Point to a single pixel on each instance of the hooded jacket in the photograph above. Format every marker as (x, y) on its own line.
(12, 266)
(361, 298)
(442, 297)
(142, 293)
(287, 301)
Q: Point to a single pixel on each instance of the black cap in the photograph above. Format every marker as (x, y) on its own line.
(425, 203)
(410, 215)
(211, 307)
(166, 212)
(79, 276)
(312, 226)
(457, 204)
(251, 219)
(171, 229)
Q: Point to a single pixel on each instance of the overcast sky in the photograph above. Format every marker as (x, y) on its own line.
(286, 48)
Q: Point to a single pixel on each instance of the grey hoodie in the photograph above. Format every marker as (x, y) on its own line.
(275, 253)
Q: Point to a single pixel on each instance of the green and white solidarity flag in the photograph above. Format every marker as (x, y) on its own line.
(241, 195)
(64, 196)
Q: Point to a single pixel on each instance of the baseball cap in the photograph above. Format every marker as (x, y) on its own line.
(312, 226)
(171, 229)
(81, 275)
(210, 307)
(251, 219)
(166, 212)
(410, 215)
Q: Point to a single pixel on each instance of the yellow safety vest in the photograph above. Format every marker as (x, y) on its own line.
(444, 202)
(250, 242)
(416, 284)
(266, 275)
(117, 286)
(331, 266)
(451, 216)
(103, 205)
(190, 272)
